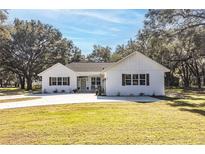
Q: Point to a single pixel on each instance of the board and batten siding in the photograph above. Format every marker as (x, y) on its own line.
(136, 64)
(58, 70)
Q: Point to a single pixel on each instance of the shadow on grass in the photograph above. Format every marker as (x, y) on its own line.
(187, 99)
(167, 98)
(183, 103)
(137, 99)
(197, 111)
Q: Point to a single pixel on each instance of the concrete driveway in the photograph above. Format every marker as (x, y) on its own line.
(51, 99)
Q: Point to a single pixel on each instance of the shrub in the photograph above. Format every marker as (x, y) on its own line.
(55, 91)
(75, 90)
(141, 94)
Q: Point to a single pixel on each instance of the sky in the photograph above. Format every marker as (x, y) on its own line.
(88, 27)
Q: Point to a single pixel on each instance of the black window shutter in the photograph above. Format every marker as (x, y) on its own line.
(123, 79)
(147, 78)
(68, 80)
(49, 81)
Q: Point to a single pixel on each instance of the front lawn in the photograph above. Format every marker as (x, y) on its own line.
(16, 91)
(11, 100)
(11, 91)
(175, 120)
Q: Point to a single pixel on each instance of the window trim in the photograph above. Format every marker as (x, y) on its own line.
(53, 80)
(136, 79)
(142, 79)
(124, 79)
(59, 81)
(97, 82)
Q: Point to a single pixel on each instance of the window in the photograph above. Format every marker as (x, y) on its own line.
(95, 81)
(66, 81)
(59, 81)
(53, 81)
(142, 79)
(135, 79)
(98, 81)
(126, 79)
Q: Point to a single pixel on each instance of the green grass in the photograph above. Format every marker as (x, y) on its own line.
(18, 99)
(11, 91)
(16, 91)
(8, 89)
(174, 120)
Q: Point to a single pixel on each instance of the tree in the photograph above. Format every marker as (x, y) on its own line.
(7, 78)
(4, 34)
(33, 47)
(100, 54)
(76, 55)
(124, 50)
(180, 19)
(177, 33)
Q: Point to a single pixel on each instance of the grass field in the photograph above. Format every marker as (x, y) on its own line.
(18, 99)
(15, 91)
(11, 91)
(177, 119)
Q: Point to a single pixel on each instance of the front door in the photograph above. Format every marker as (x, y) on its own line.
(83, 84)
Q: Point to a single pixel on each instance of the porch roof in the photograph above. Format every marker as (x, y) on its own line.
(88, 67)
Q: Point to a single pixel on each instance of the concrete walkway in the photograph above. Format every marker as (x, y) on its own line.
(51, 99)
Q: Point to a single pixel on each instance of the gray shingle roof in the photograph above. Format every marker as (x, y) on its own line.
(88, 67)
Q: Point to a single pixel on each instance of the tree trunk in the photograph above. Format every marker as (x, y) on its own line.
(194, 67)
(22, 81)
(185, 75)
(199, 82)
(1, 83)
(186, 84)
(29, 83)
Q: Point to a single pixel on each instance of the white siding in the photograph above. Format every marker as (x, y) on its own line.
(59, 70)
(136, 64)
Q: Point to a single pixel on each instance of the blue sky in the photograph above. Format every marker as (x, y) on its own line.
(89, 27)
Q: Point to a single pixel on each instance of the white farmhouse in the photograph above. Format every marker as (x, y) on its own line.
(134, 75)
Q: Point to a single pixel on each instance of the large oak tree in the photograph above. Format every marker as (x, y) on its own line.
(33, 47)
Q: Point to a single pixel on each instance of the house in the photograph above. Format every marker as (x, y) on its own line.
(133, 75)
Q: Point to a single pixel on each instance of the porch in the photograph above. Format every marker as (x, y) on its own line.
(89, 84)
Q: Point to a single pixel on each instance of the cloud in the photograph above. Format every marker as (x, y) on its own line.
(101, 32)
(115, 30)
(88, 31)
(110, 16)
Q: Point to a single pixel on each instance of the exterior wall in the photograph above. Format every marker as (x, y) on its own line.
(59, 71)
(136, 64)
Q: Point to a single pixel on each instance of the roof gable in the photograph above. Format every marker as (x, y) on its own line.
(158, 65)
(53, 67)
